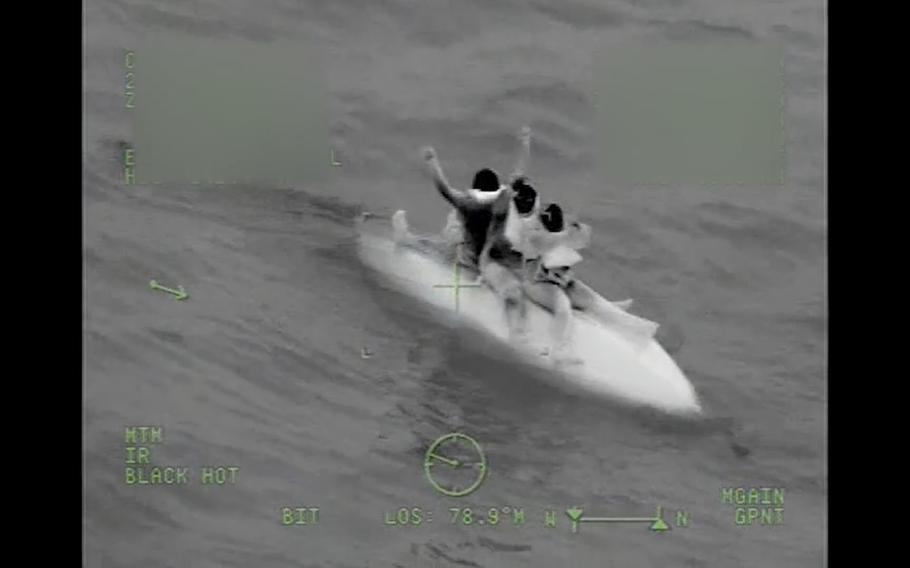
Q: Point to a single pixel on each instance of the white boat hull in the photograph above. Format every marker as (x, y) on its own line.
(611, 364)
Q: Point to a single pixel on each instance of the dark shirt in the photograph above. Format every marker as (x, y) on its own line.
(476, 220)
(498, 246)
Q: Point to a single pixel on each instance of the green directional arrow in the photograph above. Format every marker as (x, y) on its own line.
(574, 514)
(659, 525)
(657, 522)
(179, 293)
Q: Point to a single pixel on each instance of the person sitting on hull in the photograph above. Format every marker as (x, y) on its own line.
(467, 224)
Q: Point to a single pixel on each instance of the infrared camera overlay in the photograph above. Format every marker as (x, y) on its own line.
(476, 284)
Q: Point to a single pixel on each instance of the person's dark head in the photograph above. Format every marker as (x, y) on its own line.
(551, 217)
(525, 196)
(485, 180)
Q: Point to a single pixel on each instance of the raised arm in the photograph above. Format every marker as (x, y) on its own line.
(524, 153)
(456, 197)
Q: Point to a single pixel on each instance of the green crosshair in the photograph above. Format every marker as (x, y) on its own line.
(457, 286)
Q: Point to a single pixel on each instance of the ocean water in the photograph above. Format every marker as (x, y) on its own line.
(295, 364)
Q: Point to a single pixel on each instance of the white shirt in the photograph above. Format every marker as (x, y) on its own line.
(520, 229)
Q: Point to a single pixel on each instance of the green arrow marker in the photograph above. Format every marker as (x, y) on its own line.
(574, 514)
(659, 525)
(179, 294)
